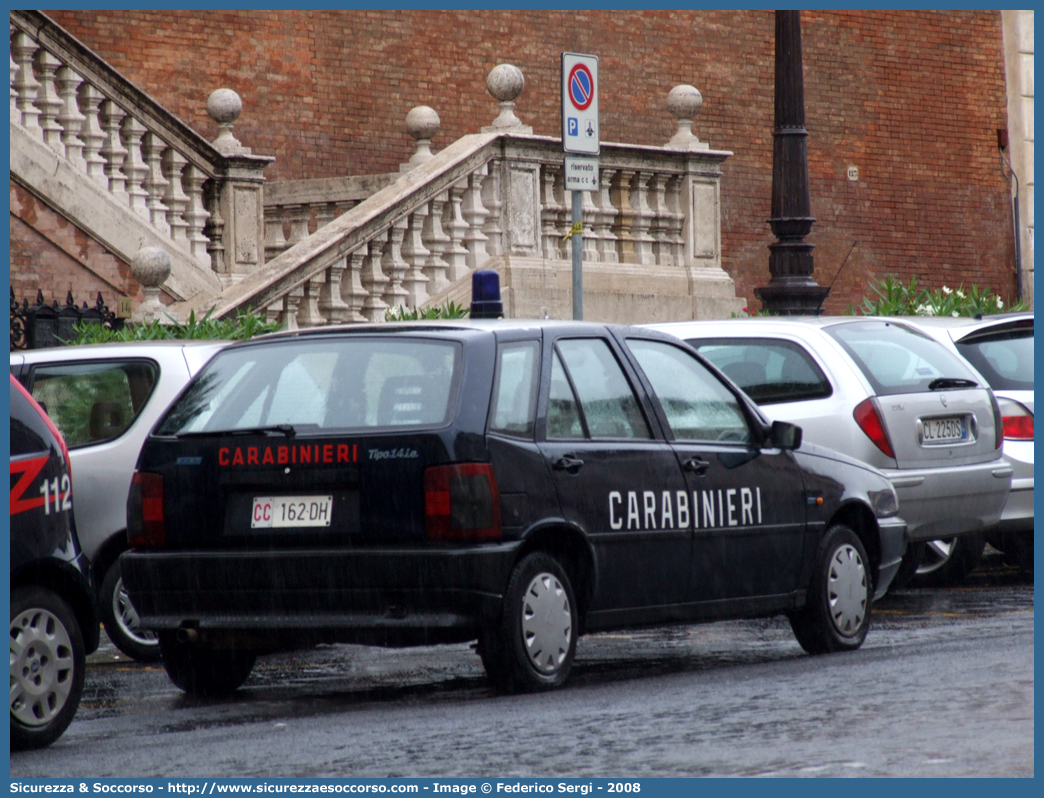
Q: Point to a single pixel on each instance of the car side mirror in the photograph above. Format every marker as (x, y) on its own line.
(783, 435)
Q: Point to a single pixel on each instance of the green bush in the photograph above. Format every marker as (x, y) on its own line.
(449, 310)
(239, 328)
(896, 298)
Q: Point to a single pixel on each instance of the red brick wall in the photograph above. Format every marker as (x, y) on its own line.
(913, 99)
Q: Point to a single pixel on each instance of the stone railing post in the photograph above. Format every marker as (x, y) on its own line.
(151, 268)
(238, 195)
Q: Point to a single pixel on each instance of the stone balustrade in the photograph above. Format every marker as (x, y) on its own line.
(202, 200)
(490, 200)
(484, 201)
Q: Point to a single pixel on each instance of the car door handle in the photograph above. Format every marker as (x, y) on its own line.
(697, 465)
(567, 463)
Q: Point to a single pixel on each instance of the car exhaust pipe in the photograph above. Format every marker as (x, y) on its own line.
(187, 635)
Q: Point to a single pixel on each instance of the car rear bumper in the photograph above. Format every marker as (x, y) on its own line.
(394, 592)
(892, 533)
(945, 502)
(1017, 515)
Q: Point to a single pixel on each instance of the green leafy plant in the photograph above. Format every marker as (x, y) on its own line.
(893, 297)
(244, 325)
(448, 310)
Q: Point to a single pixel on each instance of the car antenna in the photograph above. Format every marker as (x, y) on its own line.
(854, 245)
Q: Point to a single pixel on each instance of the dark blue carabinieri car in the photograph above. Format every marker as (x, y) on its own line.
(518, 483)
(54, 624)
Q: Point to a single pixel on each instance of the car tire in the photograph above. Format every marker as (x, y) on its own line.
(47, 667)
(1018, 551)
(836, 615)
(532, 646)
(204, 672)
(121, 619)
(948, 561)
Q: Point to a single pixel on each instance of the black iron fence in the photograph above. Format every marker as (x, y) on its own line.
(42, 324)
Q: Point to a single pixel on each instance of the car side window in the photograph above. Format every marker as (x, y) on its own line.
(563, 411)
(767, 369)
(607, 404)
(93, 402)
(514, 391)
(698, 406)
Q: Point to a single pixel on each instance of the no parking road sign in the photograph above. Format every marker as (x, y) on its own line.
(580, 103)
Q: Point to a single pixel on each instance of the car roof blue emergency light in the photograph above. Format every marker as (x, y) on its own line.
(485, 295)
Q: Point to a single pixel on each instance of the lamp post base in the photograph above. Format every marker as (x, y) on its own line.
(792, 298)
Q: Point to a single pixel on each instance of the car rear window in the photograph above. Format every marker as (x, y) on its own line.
(93, 401)
(896, 359)
(342, 384)
(1005, 359)
(767, 369)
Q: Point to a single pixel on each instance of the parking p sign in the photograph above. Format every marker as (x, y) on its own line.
(580, 103)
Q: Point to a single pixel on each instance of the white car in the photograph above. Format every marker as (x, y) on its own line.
(1000, 348)
(105, 399)
(882, 392)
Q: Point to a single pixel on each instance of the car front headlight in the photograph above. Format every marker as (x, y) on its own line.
(884, 502)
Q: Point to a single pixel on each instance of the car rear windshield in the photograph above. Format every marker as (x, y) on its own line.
(896, 359)
(1005, 359)
(329, 384)
(769, 370)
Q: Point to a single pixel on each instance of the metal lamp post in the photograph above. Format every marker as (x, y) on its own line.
(791, 290)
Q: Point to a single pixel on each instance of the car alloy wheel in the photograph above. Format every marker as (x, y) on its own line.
(847, 590)
(42, 666)
(127, 618)
(547, 623)
(121, 620)
(47, 667)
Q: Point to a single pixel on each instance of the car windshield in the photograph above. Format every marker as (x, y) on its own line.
(1005, 359)
(344, 383)
(897, 360)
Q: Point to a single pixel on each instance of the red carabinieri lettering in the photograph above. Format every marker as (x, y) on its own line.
(284, 455)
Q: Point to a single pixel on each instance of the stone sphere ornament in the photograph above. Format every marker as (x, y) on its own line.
(684, 102)
(150, 267)
(505, 82)
(423, 124)
(224, 106)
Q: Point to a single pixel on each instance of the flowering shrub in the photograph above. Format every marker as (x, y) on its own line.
(895, 298)
(749, 311)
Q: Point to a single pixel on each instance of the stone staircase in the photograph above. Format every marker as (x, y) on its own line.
(346, 249)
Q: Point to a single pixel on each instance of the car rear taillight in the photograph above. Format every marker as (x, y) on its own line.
(869, 420)
(461, 502)
(146, 527)
(1016, 420)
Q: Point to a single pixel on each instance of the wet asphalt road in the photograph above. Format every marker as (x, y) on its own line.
(942, 687)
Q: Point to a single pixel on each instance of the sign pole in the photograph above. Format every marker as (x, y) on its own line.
(580, 136)
(578, 256)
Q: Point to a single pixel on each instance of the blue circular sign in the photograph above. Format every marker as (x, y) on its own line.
(581, 87)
